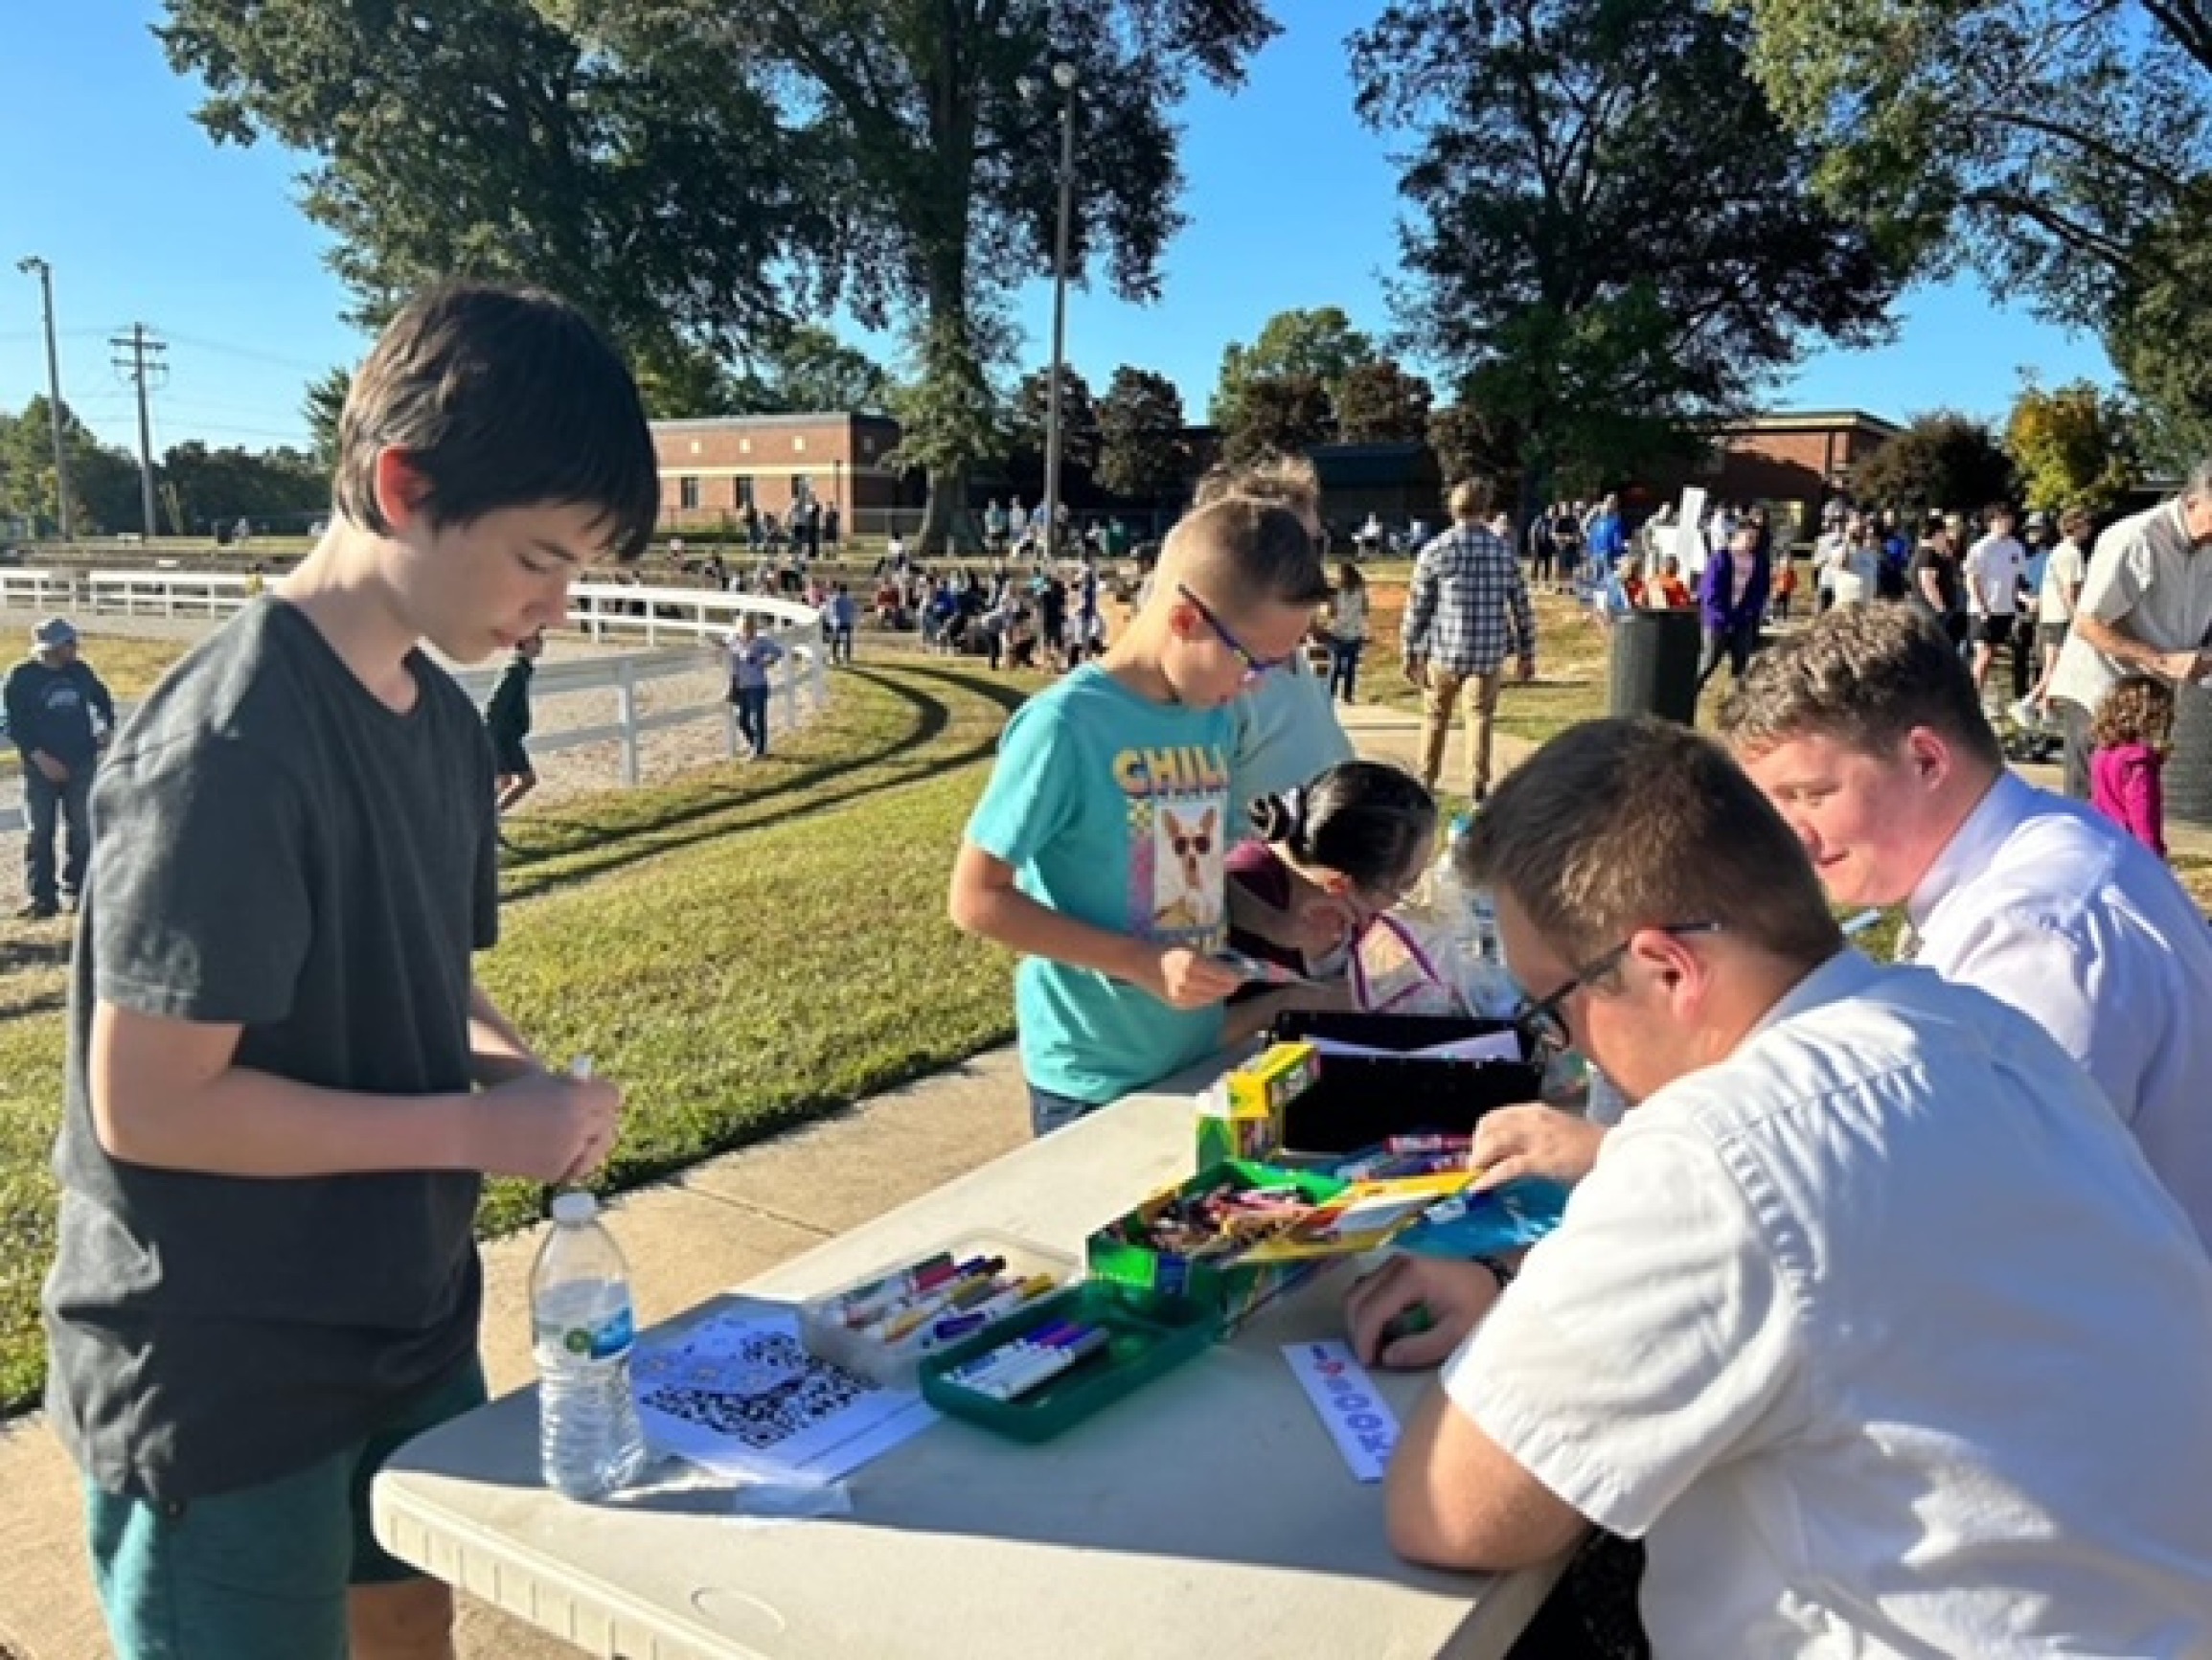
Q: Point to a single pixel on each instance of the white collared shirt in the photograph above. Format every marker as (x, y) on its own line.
(2056, 910)
(2145, 570)
(1884, 1337)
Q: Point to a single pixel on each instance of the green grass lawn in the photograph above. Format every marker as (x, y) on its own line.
(745, 949)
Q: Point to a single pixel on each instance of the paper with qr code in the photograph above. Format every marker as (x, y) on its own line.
(738, 1394)
(1358, 1419)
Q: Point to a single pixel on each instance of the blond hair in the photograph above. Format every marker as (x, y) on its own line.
(1244, 552)
(1470, 497)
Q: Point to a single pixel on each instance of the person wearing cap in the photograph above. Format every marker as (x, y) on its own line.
(60, 714)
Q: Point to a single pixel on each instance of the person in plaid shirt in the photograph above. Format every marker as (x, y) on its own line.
(1469, 612)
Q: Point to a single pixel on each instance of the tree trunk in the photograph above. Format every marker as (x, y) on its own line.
(946, 522)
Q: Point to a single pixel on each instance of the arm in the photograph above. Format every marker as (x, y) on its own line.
(1419, 610)
(2143, 791)
(1523, 617)
(1455, 1499)
(497, 1052)
(2113, 638)
(17, 696)
(985, 903)
(102, 699)
(168, 1094)
(1931, 587)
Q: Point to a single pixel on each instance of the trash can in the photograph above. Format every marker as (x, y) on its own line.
(2188, 775)
(1654, 665)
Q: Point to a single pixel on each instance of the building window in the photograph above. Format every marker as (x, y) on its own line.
(688, 493)
(744, 446)
(695, 446)
(868, 446)
(742, 495)
(798, 441)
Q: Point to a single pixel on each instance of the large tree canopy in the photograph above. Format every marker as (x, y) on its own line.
(690, 169)
(1140, 420)
(1320, 343)
(2061, 148)
(1611, 240)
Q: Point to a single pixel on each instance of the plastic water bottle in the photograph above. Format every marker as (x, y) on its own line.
(589, 1443)
(1469, 918)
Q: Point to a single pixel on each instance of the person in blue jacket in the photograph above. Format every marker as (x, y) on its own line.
(60, 714)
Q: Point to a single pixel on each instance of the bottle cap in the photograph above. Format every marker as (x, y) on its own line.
(573, 1208)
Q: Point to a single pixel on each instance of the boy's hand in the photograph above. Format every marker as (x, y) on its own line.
(1185, 979)
(1322, 925)
(546, 1128)
(53, 771)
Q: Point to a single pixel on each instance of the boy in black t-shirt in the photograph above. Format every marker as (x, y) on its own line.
(285, 1084)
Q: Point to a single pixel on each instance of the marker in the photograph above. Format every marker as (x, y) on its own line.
(891, 1285)
(1060, 1358)
(1859, 924)
(1007, 1355)
(936, 1289)
(924, 1278)
(937, 1300)
(1406, 1144)
(950, 1330)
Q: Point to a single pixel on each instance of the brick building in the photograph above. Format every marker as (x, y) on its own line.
(1796, 459)
(713, 467)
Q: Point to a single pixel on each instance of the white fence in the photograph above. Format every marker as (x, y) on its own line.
(800, 683)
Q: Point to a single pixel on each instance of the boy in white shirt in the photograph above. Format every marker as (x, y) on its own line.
(1870, 1319)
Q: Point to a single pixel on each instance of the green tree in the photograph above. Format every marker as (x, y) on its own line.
(1941, 461)
(661, 160)
(1610, 239)
(808, 370)
(1320, 343)
(323, 407)
(652, 185)
(1469, 443)
(1079, 419)
(1141, 451)
(103, 480)
(1378, 402)
(207, 487)
(2073, 445)
(2062, 151)
(1278, 415)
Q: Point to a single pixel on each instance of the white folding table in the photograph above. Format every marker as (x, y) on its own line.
(1207, 1514)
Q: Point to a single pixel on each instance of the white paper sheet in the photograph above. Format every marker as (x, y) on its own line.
(738, 1394)
(1356, 1418)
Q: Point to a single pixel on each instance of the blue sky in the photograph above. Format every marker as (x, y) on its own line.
(1291, 204)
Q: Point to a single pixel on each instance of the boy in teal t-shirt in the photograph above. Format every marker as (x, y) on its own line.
(1097, 850)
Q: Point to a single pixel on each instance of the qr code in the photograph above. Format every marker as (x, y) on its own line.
(763, 1389)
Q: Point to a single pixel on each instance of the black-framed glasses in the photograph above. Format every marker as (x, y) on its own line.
(1544, 1021)
(1254, 666)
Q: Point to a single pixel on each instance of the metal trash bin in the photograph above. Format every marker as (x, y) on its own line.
(2188, 775)
(1654, 665)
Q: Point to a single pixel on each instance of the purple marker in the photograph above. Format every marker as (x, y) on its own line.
(1007, 1354)
(1060, 1357)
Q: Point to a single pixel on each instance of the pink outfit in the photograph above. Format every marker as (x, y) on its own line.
(2126, 787)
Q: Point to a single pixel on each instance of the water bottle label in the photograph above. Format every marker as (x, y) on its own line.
(603, 1342)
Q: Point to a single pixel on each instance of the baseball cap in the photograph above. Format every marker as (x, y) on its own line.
(55, 632)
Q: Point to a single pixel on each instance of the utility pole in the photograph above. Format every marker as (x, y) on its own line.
(1063, 76)
(44, 272)
(138, 358)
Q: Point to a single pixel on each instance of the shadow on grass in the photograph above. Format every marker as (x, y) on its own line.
(599, 850)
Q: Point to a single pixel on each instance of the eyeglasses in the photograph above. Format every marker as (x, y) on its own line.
(1545, 1022)
(1254, 666)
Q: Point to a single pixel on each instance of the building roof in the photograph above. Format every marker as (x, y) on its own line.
(1813, 421)
(807, 418)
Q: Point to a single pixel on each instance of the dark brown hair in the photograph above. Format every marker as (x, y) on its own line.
(1864, 675)
(1625, 824)
(1372, 823)
(500, 398)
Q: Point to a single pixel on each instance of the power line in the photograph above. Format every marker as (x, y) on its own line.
(250, 353)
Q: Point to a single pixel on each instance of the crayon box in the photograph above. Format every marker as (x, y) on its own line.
(1241, 1116)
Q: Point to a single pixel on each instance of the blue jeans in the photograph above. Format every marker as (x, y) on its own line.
(752, 703)
(1344, 668)
(1048, 1112)
(43, 804)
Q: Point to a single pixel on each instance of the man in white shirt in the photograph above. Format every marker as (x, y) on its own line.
(1865, 733)
(2055, 596)
(2145, 607)
(1992, 589)
(1869, 1320)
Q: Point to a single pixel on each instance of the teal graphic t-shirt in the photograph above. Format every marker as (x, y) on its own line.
(1113, 810)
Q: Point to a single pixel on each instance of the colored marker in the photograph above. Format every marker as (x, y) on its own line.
(892, 1285)
(1061, 1358)
(947, 1331)
(1859, 924)
(866, 1307)
(936, 1289)
(985, 1367)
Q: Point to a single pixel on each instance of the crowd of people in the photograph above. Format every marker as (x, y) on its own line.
(1882, 1316)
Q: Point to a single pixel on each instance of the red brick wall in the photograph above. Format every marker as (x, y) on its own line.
(839, 457)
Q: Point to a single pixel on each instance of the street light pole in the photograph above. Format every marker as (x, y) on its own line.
(32, 264)
(1064, 78)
